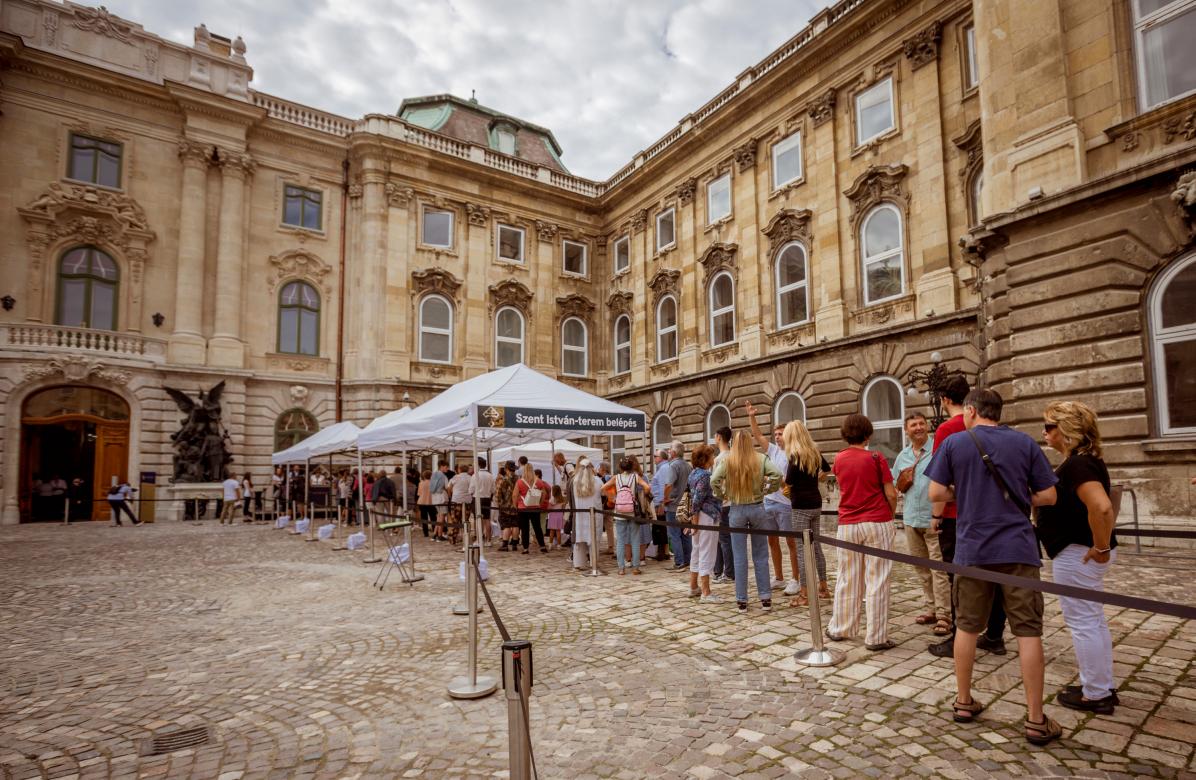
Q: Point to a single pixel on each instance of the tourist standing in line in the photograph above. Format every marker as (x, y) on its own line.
(1077, 533)
(705, 510)
(662, 475)
(423, 500)
(276, 489)
(482, 488)
(741, 481)
(675, 487)
(922, 541)
(587, 494)
(118, 501)
(440, 498)
(246, 496)
(995, 474)
(867, 499)
(624, 491)
(724, 562)
(804, 468)
(531, 500)
(777, 505)
(556, 517)
(504, 501)
(232, 492)
(461, 491)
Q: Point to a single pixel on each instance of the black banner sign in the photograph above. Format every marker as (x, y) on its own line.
(559, 420)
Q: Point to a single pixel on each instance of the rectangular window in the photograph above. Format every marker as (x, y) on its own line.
(622, 254)
(874, 111)
(718, 199)
(94, 161)
(510, 243)
(438, 228)
(575, 258)
(666, 233)
(971, 76)
(786, 161)
(1164, 31)
(302, 207)
(506, 142)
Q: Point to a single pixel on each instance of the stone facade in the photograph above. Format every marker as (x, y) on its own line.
(1048, 263)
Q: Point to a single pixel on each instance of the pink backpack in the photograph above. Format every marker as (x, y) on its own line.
(625, 494)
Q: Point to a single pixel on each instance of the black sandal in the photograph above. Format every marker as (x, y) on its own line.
(966, 713)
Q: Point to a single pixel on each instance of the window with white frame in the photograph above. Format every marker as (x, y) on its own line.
(622, 344)
(575, 347)
(662, 432)
(666, 329)
(874, 114)
(1173, 332)
(511, 241)
(435, 330)
(884, 406)
(722, 310)
(508, 337)
(437, 229)
(718, 199)
(793, 305)
(788, 408)
(622, 254)
(786, 160)
(666, 229)
(719, 416)
(302, 207)
(1164, 32)
(88, 287)
(971, 75)
(575, 257)
(883, 254)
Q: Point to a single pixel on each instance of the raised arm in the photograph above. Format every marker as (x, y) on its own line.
(757, 434)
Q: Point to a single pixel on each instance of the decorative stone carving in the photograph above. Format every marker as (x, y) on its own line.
(1184, 196)
(663, 282)
(477, 215)
(151, 60)
(788, 225)
(924, 47)
(822, 110)
(59, 198)
(879, 315)
(718, 257)
(686, 190)
(298, 395)
(798, 336)
(639, 221)
(1129, 142)
(745, 154)
(435, 280)
(98, 20)
(619, 380)
(978, 243)
(299, 263)
(356, 190)
(546, 231)
(510, 292)
(193, 152)
(574, 305)
(620, 301)
(398, 196)
(236, 163)
(1184, 126)
(50, 26)
(239, 49)
(970, 142)
(878, 183)
(77, 368)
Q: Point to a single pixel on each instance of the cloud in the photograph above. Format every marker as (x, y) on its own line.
(607, 78)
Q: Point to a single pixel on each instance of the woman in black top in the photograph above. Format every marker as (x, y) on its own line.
(1077, 533)
(806, 468)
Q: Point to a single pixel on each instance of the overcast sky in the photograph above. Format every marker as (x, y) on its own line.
(608, 77)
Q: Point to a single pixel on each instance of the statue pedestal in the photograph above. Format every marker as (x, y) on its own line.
(172, 499)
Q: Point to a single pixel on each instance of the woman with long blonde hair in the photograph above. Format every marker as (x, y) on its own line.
(587, 494)
(741, 480)
(806, 468)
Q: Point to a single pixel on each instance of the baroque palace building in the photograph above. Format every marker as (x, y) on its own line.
(1005, 185)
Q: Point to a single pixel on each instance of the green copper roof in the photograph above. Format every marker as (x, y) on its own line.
(417, 109)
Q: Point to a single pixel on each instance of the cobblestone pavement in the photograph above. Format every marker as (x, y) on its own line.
(302, 669)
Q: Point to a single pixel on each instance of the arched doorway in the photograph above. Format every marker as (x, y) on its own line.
(71, 433)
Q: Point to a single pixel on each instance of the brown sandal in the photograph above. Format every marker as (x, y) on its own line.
(925, 620)
(1042, 733)
(942, 627)
(799, 600)
(966, 713)
(824, 591)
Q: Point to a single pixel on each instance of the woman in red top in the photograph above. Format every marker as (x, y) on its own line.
(530, 512)
(866, 504)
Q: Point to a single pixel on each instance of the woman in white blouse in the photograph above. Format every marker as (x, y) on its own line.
(587, 494)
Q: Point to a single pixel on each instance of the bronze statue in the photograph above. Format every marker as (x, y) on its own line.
(202, 446)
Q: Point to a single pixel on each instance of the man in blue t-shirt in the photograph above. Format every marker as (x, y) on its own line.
(993, 531)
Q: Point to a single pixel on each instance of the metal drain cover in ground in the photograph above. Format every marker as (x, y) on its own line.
(179, 739)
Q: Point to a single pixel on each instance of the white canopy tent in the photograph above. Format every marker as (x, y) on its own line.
(540, 453)
(340, 437)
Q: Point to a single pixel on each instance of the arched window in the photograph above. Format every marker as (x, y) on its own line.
(789, 407)
(792, 290)
(622, 344)
(575, 347)
(292, 427)
(722, 310)
(662, 432)
(666, 329)
(1173, 333)
(88, 280)
(884, 405)
(883, 254)
(508, 337)
(299, 319)
(719, 416)
(435, 330)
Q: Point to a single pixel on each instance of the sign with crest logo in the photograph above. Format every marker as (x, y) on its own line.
(559, 420)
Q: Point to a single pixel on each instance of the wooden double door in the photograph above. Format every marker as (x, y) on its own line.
(72, 446)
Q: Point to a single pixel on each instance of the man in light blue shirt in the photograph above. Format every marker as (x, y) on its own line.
(910, 468)
(661, 475)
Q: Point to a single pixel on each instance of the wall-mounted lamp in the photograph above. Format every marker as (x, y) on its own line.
(158, 318)
(8, 302)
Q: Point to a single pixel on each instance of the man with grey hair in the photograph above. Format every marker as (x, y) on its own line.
(678, 483)
(661, 475)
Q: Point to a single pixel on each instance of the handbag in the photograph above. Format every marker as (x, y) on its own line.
(684, 512)
(905, 478)
(1010, 496)
(533, 497)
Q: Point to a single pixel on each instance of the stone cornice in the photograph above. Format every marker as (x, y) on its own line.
(196, 101)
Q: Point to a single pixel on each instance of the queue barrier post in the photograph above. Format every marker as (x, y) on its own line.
(517, 684)
(818, 655)
(373, 522)
(464, 607)
(472, 686)
(66, 512)
(594, 572)
(195, 509)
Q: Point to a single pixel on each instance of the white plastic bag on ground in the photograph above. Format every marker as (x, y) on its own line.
(325, 531)
(650, 551)
(356, 541)
(282, 521)
(301, 526)
(400, 554)
(483, 569)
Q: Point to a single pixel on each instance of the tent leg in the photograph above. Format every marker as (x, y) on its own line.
(361, 510)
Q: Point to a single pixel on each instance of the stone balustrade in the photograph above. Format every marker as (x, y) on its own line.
(50, 338)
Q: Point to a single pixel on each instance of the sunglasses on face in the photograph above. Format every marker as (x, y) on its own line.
(1048, 427)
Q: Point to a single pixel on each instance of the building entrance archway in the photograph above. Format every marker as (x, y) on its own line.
(69, 433)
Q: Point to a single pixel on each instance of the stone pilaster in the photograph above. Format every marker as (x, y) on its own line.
(226, 347)
(827, 255)
(371, 305)
(473, 335)
(187, 341)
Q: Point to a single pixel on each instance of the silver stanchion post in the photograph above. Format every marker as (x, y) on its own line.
(472, 686)
(818, 655)
(66, 511)
(463, 607)
(594, 518)
(195, 508)
(517, 683)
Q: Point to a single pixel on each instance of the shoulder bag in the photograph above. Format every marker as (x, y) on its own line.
(1010, 496)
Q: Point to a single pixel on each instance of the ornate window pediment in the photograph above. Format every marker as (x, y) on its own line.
(878, 183)
(298, 263)
(88, 214)
(510, 292)
(574, 305)
(663, 282)
(620, 302)
(719, 257)
(435, 280)
(788, 225)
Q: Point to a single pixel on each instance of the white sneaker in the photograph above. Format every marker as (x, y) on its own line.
(778, 584)
(792, 589)
(713, 598)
